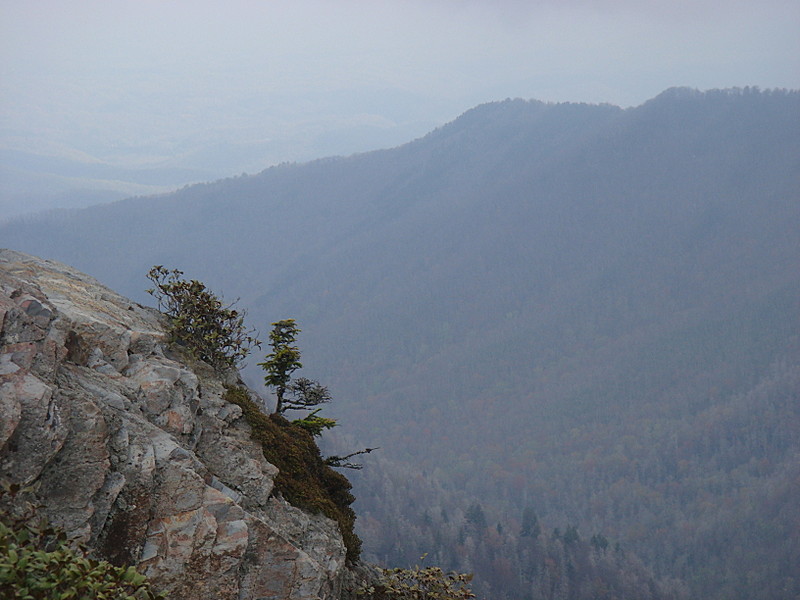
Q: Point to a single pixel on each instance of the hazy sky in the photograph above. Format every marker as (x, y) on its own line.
(239, 83)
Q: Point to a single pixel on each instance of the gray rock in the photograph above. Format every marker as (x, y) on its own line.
(137, 453)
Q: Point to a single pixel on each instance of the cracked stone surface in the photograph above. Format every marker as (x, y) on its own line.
(134, 451)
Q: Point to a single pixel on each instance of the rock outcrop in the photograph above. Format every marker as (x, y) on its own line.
(136, 453)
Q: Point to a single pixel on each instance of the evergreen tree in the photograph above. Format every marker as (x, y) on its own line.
(530, 523)
(282, 361)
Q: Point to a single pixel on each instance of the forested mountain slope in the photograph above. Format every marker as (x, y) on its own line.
(582, 310)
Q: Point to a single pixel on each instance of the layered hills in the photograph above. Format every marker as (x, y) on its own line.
(581, 311)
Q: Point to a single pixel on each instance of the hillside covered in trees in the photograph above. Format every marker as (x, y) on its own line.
(577, 312)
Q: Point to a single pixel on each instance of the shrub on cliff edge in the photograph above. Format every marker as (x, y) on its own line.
(38, 563)
(429, 583)
(211, 331)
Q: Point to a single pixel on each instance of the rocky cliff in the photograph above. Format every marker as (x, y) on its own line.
(135, 452)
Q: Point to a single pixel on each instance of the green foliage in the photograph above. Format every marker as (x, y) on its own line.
(37, 563)
(306, 393)
(301, 393)
(211, 331)
(303, 478)
(430, 583)
(314, 424)
(283, 360)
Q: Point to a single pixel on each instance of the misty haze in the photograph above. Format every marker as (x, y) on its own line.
(545, 259)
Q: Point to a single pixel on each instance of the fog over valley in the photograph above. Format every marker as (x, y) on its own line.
(542, 260)
(579, 313)
(102, 100)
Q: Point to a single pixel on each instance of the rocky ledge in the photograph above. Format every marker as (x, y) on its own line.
(134, 451)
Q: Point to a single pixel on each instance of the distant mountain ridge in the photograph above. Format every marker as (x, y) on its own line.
(537, 304)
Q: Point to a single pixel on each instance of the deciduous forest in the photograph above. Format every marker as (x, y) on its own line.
(572, 329)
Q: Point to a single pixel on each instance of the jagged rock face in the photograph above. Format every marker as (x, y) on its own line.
(136, 453)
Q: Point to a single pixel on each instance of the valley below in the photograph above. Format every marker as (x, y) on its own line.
(572, 330)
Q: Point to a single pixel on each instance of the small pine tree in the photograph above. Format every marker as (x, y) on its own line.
(283, 360)
(301, 393)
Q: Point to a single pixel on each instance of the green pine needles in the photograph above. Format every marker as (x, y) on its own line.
(282, 361)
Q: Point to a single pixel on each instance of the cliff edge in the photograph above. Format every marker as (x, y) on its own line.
(134, 451)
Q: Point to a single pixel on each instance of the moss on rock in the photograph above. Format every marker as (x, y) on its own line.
(304, 479)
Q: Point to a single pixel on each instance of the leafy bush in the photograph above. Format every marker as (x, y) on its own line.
(430, 583)
(37, 563)
(211, 331)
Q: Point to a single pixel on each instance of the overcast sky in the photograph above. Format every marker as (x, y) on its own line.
(172, 82)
